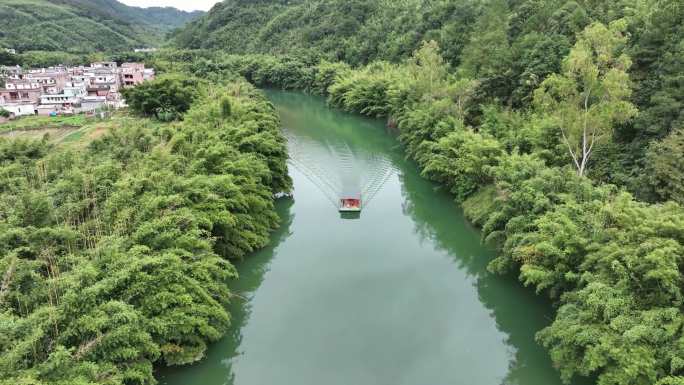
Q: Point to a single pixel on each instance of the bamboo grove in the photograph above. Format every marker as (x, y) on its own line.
(117, 256)
(544, 182)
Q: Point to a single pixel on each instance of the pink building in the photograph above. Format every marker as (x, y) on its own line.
(26, 88)
(133, 74)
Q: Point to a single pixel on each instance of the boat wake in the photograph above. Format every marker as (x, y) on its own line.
(337, 169)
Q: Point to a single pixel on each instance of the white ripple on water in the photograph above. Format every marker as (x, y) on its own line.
(337, 170)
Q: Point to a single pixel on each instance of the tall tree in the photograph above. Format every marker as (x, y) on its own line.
(487, 57)
(664, 165)
(429, 68)
(592, 94)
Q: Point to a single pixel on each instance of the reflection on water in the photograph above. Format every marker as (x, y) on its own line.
(399, 296)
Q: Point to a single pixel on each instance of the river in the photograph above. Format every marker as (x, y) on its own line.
(398, 296)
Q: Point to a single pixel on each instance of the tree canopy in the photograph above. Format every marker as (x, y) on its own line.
(117, 257)
(591, 96)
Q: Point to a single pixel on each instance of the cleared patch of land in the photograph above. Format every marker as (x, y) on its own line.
(30, 123)
(64, 130)
(53, 134)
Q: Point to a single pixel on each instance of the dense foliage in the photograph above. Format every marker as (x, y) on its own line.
(167, 98)
(355, 31)
(117, 256)
(558, 125)
(84, 25)
(509, 47)
(612, 264)
(665, 160)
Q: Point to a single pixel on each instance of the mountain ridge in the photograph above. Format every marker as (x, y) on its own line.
(85, 25)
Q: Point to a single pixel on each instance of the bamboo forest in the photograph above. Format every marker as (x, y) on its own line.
(481, 192)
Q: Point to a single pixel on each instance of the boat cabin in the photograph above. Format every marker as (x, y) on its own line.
(350, 203)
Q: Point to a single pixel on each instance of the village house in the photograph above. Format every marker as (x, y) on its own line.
(19, 109)
(64, 102)
(52, 80)
(132, 74)
(68, 90)
(21, 91)
(104, 64)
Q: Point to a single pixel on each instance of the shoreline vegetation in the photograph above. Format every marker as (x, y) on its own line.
(610, 263)
(115, 256)
(557, 125)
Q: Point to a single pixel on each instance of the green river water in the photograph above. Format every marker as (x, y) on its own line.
(398, 296)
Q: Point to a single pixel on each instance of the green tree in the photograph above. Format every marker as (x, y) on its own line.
(658, 55)
(166, 97)
(665, 167)
(460, 160)
(620, 319)
(487, 56)
(116, 256)
(535, 57)
(429, 69)
(8, 59)
(226, 108)
(591, 95)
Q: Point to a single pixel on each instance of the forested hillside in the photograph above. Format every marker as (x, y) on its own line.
(84, 25)
(359, 31)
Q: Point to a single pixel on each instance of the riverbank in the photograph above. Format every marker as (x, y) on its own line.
(400, 295)
(517, 179)
(115, 255)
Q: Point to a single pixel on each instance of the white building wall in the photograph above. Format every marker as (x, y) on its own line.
(20, 109)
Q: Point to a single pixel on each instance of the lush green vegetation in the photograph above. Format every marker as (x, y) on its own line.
(354, 31)
(84, 26)
(167, 98)
(116, 255)
(611, 263)
(508, 47)
(509, 50)
(664, 160)
(562, 139)
(558, 124)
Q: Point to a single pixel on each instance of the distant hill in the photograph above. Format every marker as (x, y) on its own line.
(85, 25)
(355, 31)
(249, 26)
(166, 18)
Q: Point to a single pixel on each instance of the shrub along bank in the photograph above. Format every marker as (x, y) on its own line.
(116, 256)
(611, 263)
